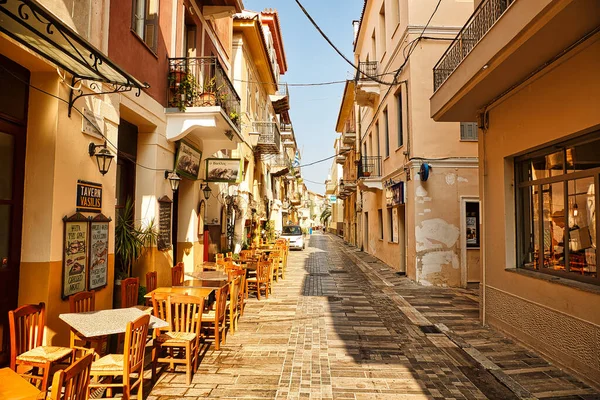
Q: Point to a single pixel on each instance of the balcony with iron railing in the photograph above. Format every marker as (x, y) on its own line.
(367, 87)
(287, 131)
(281, 99)
(269, 140)
(480, 22)
(369, 167)
(201, 82)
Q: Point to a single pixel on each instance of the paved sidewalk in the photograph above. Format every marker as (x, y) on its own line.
(342, 325)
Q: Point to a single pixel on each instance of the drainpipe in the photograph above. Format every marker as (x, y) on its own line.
(362, 204)
(482, 125)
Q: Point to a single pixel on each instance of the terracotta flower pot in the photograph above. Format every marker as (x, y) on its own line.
(207, 99)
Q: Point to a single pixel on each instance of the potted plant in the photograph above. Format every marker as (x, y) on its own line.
(131, 241)
(208, 96)
(234, 117)
(187, 91)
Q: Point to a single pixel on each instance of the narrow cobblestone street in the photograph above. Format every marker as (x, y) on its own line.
(342, 325)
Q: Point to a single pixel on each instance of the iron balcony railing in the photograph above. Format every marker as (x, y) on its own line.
(280, 160)
(202, 82)
(285, 127)
(269, 140)
(367, 70)
(369, 167)
(480, 22)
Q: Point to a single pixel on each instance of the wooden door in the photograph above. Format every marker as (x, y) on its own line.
(13, 117)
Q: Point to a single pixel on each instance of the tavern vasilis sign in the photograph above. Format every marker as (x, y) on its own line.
(89, 197)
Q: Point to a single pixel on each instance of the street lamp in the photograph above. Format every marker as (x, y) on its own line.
(342, 184)
(174, 179)
(103, 157)
(207, 190)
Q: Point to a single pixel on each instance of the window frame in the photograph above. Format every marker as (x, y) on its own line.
(155, 23)
(381, 228)
(400, 112)
(386, 132)
(565, 178)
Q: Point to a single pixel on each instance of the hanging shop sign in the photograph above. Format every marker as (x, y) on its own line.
(163, 241)
(394, 195)
(89, 197)
(98, 240)
(75, 254)
(187, 161)
(224, 170)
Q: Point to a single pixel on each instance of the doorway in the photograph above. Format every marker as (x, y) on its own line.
(13, 129)
(366, 232)
(470, 233)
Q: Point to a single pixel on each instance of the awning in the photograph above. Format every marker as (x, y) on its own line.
(33, 26)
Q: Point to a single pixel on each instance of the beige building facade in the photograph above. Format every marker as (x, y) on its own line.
(417, 179)
(530, 78)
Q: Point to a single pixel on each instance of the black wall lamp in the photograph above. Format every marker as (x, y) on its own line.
(206, 190)
(174, 179)
(103, 157)
(342, 184)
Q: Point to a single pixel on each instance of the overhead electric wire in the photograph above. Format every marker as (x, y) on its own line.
(313, 22)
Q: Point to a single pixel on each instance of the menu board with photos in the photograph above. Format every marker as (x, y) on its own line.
(163, 241)
(98, 275)
(75, 254)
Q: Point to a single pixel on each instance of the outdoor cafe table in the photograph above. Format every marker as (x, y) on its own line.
(208, 275)
(201, 292)
(14, 387)
(107, 322)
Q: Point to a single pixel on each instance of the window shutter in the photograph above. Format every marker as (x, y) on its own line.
(468, 131)
(151, 24)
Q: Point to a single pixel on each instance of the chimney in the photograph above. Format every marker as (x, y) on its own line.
(355, 25)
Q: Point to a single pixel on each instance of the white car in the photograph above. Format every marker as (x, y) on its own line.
(293, 233)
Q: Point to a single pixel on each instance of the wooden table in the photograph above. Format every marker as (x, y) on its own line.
(107, 322)
(202, 283)
(14, 387)
(202, 292)
(208, 275)
(206, 265)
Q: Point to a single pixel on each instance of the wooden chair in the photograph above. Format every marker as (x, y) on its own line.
(232, 308)
(243, 295)
(177, 275)
(26, 325)
(219, 257)
(85, 302)
(151, 284)
(215, 319)
(184, 314)
(73, 382)
(246, 255)
(129, 292)
(129, 365)
(263, 278)
(276, 258)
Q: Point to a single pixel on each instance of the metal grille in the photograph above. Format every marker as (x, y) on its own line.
(482, 20)
(202, 82)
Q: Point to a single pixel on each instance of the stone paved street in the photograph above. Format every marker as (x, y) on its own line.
(342, 325)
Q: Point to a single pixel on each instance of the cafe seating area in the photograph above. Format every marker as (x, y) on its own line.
(109, 350)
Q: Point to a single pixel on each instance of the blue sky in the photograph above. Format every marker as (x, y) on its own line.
(310, 59)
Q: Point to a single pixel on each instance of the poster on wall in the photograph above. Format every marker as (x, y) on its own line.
(395, 225)
(201, 212)
(224, 170)
(75, 254)
(98, 275)
(472, 223)
(187, 162)
(163, 241)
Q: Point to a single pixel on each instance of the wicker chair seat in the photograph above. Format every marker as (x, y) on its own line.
(208, 316)
(42, 354)
(175, 338)
(110, 362)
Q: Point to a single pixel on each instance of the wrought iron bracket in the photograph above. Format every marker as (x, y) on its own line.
(76, 94)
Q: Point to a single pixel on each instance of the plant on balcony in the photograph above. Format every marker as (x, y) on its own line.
(186, 89)
(234, 117)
